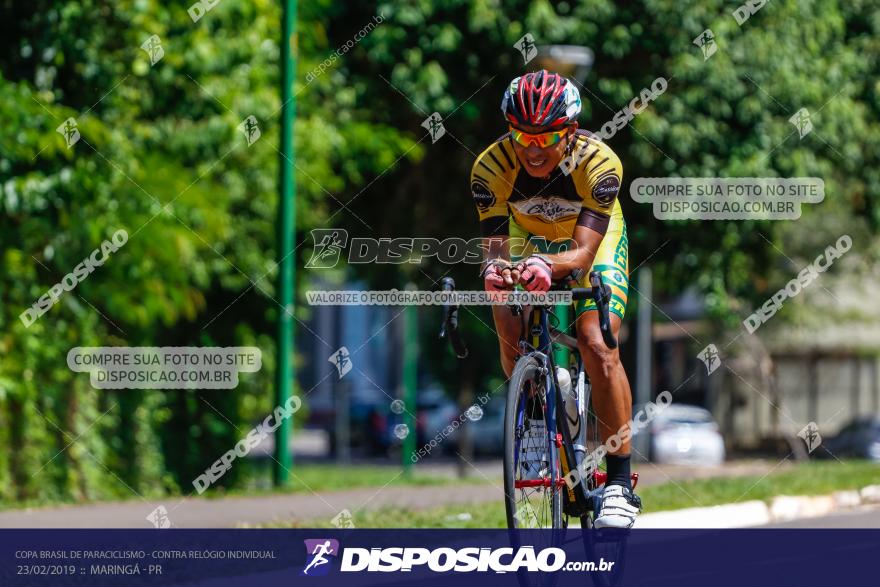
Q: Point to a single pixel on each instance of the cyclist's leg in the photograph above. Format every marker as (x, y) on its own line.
(509, 328)
(612, 398)
(611, 395)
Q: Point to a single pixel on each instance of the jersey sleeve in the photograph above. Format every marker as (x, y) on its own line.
(598, 178)
(490, 188)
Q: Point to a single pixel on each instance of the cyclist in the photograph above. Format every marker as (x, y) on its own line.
(545, 178)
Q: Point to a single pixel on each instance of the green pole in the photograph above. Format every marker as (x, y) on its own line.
(561, 353)
(410, 377)
(286, 228)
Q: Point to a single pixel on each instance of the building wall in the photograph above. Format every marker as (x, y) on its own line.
(843, 390)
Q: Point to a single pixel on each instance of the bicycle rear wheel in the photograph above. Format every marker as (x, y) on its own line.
(607, 544)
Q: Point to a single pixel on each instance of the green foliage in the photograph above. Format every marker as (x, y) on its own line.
(160, 157)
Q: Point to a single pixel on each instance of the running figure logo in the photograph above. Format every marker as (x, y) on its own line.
(706, 43)
(811, 436)
(251, 129)
(342, 360)
(527, 48)
(434, 124)
(343, 520)
(801, 121)
(69, 131)
(159, 517)
(710, 358)
(329, 243)
(153, 48)
(317, 551)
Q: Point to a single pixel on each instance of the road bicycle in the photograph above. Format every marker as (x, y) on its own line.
(546, 501)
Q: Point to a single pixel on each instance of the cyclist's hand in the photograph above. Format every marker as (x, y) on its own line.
(535, 273)
(497, 275)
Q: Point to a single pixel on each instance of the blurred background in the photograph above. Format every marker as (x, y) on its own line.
(158, 91)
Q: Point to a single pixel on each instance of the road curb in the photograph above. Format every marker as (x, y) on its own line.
(734, 515)
(782, 508)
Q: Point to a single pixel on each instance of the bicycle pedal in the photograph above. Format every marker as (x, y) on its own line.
(572, 510)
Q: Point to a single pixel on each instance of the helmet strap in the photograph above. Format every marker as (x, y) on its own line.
(569, 148)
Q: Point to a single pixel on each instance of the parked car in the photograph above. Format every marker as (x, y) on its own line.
(685, 434)
(372, 421)
(434, 411)
(487, 433)
(365, 419)
(860, 439)
(442, 419)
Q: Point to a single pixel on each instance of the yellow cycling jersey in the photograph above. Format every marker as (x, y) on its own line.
(582, 189)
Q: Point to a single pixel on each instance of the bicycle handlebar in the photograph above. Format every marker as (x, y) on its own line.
(599, 293)
(450, 322)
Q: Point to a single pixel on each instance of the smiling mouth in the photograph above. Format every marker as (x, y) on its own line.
(537, 162)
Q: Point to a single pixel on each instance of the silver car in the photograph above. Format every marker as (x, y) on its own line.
(687, 435)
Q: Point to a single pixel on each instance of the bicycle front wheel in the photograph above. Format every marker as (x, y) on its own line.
(533, 497)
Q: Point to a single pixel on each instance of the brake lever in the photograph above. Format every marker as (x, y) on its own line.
(449, 328)
(602, 297)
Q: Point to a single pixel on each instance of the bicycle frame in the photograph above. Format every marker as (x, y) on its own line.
(538, 343)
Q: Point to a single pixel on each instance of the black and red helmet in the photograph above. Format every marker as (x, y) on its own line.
(541, 98)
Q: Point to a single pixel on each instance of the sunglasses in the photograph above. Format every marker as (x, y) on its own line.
(543, 140)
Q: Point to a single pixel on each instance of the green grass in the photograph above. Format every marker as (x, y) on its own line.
(317, 478)
(304, 479)
(814, 478)
(482, 515)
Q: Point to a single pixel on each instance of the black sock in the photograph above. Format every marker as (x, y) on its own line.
(618, 470)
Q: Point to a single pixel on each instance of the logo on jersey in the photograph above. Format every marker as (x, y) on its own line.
(547, 209)
(621, 253)
(606, 190)
(483, 198)
(618, 279)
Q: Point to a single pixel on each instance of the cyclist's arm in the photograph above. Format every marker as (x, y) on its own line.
(586, 242)
(597, 178)
(491, 185)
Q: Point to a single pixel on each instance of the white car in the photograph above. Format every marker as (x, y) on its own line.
(686, 435)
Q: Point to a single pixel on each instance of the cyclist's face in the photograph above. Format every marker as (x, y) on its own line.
(540, 162)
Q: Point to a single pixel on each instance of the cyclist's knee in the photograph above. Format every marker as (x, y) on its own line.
(509, 329)
(597, 355)
(507, 326)
(507, 364)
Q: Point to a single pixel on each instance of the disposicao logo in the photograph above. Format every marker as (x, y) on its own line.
(319, 551)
